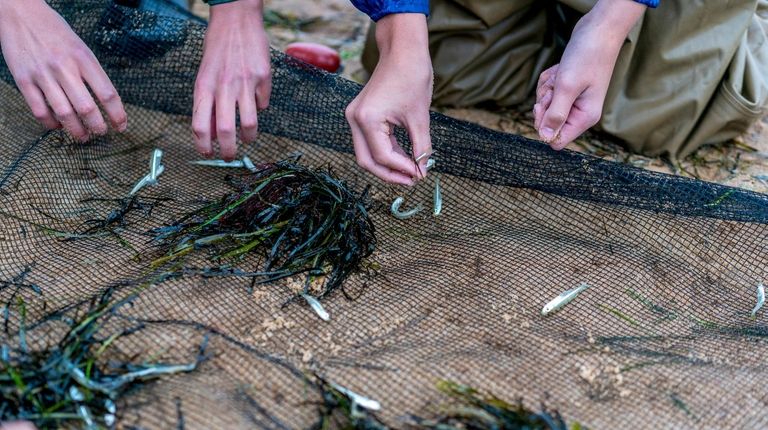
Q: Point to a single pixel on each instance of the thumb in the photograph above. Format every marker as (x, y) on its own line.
(563, 97)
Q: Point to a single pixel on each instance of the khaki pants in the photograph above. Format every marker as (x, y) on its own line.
(690, 72)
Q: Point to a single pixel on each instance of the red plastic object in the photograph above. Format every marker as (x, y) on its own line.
(315, 54)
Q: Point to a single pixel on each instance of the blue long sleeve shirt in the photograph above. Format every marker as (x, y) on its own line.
(378, 9)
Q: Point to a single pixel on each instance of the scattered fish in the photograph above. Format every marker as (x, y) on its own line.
(110, 406)
(563, 299)
(87, 417)
(248, 164)
(420, 157)
(109, 386)
(395, 209)
(146, 180)
(76, 394)
(317, 307)
(154, 166)
(238, 164)
(219, 163)
(760, 299)
(357, 399)
(438, 198)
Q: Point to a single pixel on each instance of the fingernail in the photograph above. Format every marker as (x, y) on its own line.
(122, 127)
(547, 134)
(208, 155)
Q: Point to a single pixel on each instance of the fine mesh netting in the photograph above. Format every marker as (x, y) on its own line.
(664, 337)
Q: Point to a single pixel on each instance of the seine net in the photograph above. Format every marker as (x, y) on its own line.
(664, 338)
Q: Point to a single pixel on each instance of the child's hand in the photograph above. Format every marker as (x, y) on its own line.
(398, 93)
(570, 95)
(52, 66)
(234, 74)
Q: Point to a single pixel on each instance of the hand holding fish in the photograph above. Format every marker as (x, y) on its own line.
(398, 94)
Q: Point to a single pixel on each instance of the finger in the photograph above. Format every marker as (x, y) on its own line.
(249, 123)
(540, 107)
(366, 161)
(203, 122)
(557, 113)
(418, 131)
(376, 132)
(106, 93)
(578, 122)
(225, 124)
(63, 109)
(538, 112)
(263, 92)
(37, 105)
(82, 101)
(546, 81)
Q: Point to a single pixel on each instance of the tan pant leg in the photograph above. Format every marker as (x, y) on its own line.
(484, 52)
(689, 74)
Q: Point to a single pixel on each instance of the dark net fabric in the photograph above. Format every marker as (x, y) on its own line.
(663, 338)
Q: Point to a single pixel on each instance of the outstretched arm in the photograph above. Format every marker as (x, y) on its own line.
(399, 93)
(570, 95)
(52, 67)
(234, 75)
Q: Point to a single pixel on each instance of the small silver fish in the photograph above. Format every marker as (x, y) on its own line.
(438, 198)
(317, 307)
(357, 399)
(146, 181)
(85, 414)
(154, 166)
(420, 157)
(219, 163)
(563, 299)
(207, 240)
(109, 386)
(760, 299)
(395, 209)
(76, 394)
(430, 163)
(109, 405)
(248, 164)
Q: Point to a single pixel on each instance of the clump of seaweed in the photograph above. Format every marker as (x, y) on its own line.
(342, 409)
(115, 219)
(475, 411)
(300, 220)
(65, 385)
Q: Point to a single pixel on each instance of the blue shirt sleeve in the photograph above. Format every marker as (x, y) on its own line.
(378, 9)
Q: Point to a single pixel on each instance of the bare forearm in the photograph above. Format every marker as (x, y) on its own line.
(402, 38)
(614, 19)
(237, 9)
(398, 94)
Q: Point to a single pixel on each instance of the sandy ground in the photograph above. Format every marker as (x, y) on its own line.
(742, 162)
